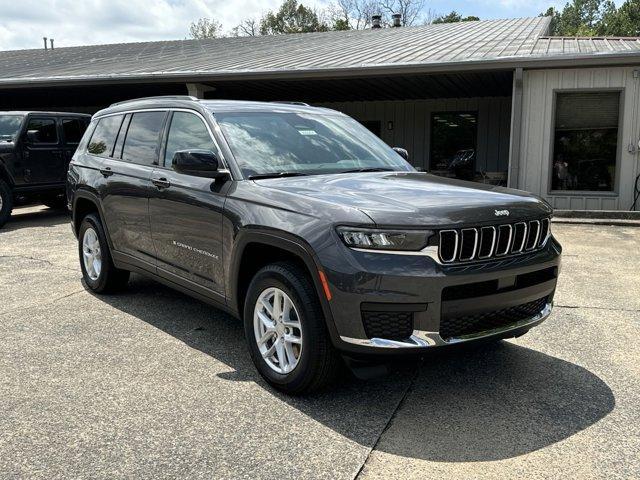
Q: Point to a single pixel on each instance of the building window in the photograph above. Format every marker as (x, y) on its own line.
(453, 144)
(585, 141)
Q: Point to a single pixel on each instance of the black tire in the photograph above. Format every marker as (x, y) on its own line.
(6, 195)
(58, 202)
(110, 278)
(319, 363)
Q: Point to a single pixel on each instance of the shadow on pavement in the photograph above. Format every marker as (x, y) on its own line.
(465, 405)
(31, 217)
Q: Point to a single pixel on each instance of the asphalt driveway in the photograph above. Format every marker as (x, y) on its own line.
(151, 383)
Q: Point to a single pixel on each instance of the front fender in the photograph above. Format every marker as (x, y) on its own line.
(285, 241)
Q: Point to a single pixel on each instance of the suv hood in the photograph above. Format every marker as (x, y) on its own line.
(415, 198)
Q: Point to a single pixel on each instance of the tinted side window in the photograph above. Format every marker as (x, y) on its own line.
(142, 140)
(45, 128)
(104, 136)
(72, 129)
(187, 132)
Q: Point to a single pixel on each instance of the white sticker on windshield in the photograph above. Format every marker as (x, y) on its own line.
(307, 132)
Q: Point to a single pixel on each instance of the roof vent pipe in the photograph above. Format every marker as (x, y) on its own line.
(376, 21)
(51, 40)
(45, 42)
(397, 19)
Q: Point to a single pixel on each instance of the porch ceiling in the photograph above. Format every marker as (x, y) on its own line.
(399, 87)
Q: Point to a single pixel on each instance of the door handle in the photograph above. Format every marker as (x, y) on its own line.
(161, 182)
(106, 172)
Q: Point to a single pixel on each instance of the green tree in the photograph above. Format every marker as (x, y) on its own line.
(205, 28)
(583, 18)
(623, 22)
(340, 24)
(291, 17)
(454, 17)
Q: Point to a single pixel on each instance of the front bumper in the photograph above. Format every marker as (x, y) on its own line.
(422, 285)
(421, 338)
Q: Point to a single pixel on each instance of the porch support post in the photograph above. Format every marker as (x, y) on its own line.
(516, 129)
(199, 89)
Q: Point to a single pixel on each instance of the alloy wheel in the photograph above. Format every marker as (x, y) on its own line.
(91, 254)
(277, 329)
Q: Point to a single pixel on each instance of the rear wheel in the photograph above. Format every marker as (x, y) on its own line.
(6, 202)
(286, 332)
(96, 263)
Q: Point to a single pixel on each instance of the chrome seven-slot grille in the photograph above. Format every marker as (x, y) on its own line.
(483, 243)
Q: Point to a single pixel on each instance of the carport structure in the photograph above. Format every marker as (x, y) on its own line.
(486, 89)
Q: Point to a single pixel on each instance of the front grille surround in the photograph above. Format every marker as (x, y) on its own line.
(485, 243)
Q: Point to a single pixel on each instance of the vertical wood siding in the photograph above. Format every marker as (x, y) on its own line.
(537, 134)
(412, 125)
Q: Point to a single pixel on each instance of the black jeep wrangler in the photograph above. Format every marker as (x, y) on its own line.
(35, 150)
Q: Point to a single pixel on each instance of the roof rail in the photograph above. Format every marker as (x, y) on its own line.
(159, 97)
(291, 103)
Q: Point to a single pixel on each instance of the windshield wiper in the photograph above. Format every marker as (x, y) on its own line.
(258, 176)
(370, 169)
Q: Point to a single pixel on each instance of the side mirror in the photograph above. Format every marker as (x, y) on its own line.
(402, 152)
(32, 136)
(199, 163)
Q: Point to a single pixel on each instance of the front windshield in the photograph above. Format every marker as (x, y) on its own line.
(9, 127)
(266, 143)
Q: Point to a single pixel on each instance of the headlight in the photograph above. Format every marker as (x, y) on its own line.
(378, 239)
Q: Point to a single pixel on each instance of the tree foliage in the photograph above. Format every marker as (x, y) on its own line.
(205, 28)
(454, 17)
(291, 17)
(586, 18)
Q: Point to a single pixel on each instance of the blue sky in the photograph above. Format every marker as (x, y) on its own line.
(74, 22)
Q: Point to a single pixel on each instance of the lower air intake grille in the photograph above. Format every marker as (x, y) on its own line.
(390, 325)
(470, 324)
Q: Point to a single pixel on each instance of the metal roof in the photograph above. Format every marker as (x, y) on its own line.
(478, 45)
(585, 45)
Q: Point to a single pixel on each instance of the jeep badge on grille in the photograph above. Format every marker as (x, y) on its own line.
(501, 213)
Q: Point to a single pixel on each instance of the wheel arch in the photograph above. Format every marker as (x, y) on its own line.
(84, 203)
(255, 249)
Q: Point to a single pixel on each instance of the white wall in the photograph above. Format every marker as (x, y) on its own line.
(539, 89)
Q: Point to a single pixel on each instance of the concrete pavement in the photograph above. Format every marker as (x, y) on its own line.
(151, 383)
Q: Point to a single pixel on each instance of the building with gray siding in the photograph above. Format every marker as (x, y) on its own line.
(496, 101)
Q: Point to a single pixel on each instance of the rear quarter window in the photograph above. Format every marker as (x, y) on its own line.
(104, 136)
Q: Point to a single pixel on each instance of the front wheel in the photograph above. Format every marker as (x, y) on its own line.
(96, 263)
(286, 332)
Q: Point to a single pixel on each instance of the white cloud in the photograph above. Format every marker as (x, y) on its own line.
(72, 22)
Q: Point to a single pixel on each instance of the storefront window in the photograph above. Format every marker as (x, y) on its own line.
(453, 144)
(585, 141)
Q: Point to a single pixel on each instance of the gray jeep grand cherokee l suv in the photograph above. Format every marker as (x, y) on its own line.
(298, 220)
